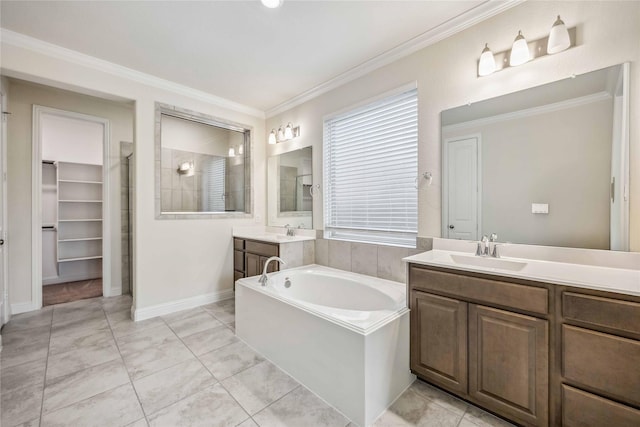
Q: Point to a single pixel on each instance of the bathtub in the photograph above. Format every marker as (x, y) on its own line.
(344, 336)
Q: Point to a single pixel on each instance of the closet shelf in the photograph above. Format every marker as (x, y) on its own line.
(80, 220)
(76, 181)
(82, 239)
(80, 201)
(80, 258)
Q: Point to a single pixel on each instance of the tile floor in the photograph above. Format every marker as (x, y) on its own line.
(86, 363)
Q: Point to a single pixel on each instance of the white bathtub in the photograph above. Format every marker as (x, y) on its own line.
(345, 336)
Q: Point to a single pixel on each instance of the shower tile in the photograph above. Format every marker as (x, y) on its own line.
(292, 254)
(309, 252)
(340, 255)
(364, 259)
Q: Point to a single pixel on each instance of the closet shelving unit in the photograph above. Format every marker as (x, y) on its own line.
(79, 220)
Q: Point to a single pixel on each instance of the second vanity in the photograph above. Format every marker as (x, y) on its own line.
(540, 343)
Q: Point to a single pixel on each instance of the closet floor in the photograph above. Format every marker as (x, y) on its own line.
(71, 291)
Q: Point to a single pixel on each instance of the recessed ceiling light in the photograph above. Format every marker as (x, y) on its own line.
(272, 4)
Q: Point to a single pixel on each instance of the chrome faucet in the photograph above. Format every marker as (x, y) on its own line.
(488, 246)
(264, 279)
(290, 231)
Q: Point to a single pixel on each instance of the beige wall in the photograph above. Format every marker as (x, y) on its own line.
(607, 34)
(551, 158)
(21, 98)
(173, 259)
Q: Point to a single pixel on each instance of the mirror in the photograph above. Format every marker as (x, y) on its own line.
(204, 165)
(543, 166)
(290, 189)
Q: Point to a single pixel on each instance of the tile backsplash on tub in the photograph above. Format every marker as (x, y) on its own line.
(380, 261)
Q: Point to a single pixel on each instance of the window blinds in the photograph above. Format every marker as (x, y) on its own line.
(213, 188)
(371, 164)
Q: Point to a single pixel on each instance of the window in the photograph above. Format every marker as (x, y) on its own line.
(371, 164)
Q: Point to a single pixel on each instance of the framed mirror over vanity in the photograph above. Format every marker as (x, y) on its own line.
(290, 189)
(543, 166)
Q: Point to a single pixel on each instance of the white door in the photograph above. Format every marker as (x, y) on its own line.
(4, 293)
(462, 189)
(619, 209)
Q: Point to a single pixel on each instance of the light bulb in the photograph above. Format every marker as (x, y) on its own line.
(271, 4)
(280, 134)
(288, 132)
(232, 152)
(272, 137)
(519, 51)
(487, 64)
(240, 149)
(558, 37)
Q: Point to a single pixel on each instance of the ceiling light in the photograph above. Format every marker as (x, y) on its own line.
(487, 64)
(519, 51)
(232, 152)
(272, 137)
(271, 4)
(288, 132)
(558, 37)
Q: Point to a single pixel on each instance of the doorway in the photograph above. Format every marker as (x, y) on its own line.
(70, 193)
(462, 195)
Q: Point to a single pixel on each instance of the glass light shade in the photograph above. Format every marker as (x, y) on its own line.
(558, 37)
(232, 152)
(487, 63)
(288, 132)
(240, 149)
(519, 51)
(271, 4)
(280, 136)
(272, 137)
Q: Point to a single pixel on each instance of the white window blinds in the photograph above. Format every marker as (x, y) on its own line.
(371, 164)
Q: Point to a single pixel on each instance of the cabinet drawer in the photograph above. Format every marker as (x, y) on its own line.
(237, 275)
(527, 298)
(604, 363)
(583, 409)
(238, 244)
(258, 248)
(615, 314)
(238, 260)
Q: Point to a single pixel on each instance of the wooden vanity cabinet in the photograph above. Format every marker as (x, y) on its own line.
(249, 257)
(465, 339)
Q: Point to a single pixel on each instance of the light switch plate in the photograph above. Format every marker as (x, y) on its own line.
(540, 208)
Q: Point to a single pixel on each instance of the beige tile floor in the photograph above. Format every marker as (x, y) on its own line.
(86, 363)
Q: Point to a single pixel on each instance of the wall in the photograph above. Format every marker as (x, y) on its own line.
(173, 259)
(22, 96)
(71, 140)
(607, 34)
(548, 158)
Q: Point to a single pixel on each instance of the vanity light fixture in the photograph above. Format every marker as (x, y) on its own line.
(558, 37)
(241, 149)
(519, 51)
(232, 152)
(271, 4)
(289, 132)
(487, 64)
(186, 168)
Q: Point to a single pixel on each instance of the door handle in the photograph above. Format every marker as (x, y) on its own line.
(1, 242)
(452, 227)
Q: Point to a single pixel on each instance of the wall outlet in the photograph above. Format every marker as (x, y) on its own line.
(540, 208)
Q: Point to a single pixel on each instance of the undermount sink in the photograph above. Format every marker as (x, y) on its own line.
(498, 263)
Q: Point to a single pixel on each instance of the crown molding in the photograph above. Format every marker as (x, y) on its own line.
(528, 112)
(455, 25)
(13, 38)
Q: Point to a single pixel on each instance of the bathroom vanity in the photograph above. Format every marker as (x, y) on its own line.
(539, 352)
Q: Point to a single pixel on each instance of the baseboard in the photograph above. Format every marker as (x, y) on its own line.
(73, 278)
(179, 305)
(22, 307)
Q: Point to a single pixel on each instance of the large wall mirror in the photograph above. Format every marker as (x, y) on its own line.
(543, 166)
(204, 165)
(290, 189)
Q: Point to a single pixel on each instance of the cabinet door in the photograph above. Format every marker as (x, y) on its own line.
(509, 364)
(252, 264)
(274, 266)
(439, 340)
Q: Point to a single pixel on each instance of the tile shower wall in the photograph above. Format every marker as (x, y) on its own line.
(180, 193)
(380, 261)
(126, 148)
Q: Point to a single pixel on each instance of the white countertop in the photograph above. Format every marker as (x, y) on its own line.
(266, 234)
(622, 280)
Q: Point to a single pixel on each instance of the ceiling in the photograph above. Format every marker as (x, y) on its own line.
(238, 50)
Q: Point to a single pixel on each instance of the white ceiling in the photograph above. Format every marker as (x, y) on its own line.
(238, 50)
